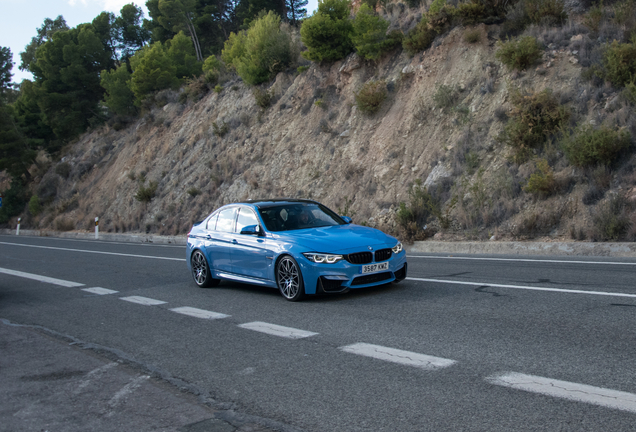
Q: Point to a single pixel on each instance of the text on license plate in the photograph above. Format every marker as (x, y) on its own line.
(372, 268)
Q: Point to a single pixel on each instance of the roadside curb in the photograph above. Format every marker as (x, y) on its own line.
(112, 237)
(526, 248)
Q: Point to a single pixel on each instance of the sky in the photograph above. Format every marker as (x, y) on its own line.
(20, 20)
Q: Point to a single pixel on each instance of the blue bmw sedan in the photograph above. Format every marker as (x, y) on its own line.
(298, 246)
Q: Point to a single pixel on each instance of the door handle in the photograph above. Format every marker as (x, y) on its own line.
(234, 241)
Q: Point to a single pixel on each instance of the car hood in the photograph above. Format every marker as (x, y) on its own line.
(339, 239)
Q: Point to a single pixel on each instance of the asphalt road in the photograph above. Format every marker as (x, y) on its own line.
(486, 343)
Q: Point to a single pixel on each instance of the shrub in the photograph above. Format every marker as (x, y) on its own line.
(222, 130)
(472, 36)
(419, 38)
(63, 169)
(263, 98)
(421, 205)
(302, 69)
(545, 11)
(34, 205)
(370, 97)
(592, 19)
(629, 93)
(611, 221)
(589, 146)
(146, 194)
(212, 69)
(445, 96)
(619, 61)
(369, 34)
(218, 88)
(64, 224)
(519, 53)
(193, 192)
(327, 33)
(541, 182)
(265, 51)
(535, 117)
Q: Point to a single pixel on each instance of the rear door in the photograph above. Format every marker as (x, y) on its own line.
(219, 239)
(250, 253)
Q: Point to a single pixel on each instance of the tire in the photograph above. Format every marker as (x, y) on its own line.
(201, 270)
(289, 279)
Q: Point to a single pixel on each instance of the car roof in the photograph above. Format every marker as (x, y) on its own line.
(264, 203)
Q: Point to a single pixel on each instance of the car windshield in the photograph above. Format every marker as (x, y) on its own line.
(294, 216)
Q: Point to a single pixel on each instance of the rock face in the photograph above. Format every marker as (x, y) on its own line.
(311, 142)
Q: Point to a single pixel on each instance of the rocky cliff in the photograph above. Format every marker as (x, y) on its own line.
(189, 157)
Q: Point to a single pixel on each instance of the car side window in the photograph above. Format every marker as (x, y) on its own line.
(246, 218)
(225, 222)
(212, 222)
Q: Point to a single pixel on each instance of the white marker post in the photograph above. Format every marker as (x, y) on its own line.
(17, 229)
(96, 228)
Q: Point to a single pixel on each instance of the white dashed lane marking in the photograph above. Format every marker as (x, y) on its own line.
(407, 358)
(143, 300)
(39, 278)
(276, 330)
(567, 390)
(99, 291)
(199, 313)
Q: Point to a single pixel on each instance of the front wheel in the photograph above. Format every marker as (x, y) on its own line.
(289, 279)
(201, 271)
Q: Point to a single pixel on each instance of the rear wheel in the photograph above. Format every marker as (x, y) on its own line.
(289, 279)
(201, 271)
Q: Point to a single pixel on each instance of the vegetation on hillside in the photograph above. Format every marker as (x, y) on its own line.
(115, 68)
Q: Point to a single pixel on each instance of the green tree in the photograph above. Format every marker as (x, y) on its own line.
(152, 71)
(118, 97)
(132, 34)
(234, 48)
(67, 80)
(296, 10)
(45, 33)
(6, 65)
(183, 57)
(30, 120)
(327, 33)
(267, 50)
(178, 15)
(105, 29)
(369, 34)
(16, 154)
(15, 198)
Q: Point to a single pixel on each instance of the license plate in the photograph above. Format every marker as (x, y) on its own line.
(373, 268)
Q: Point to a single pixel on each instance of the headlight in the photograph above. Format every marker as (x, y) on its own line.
(322, 258)
(397, 248)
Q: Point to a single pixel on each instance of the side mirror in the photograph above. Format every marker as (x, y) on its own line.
(251, 230)
(347, 219)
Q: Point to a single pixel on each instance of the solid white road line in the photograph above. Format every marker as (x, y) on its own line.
(276, 330)
(522, 287)
(99, 291)
(95, 252)
(408, 358)
(549, 261)
(199, 313)
(39, 278)
(567, 390)
(142, 300)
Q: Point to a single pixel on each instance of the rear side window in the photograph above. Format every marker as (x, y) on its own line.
(225, 223)
(212, 221)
